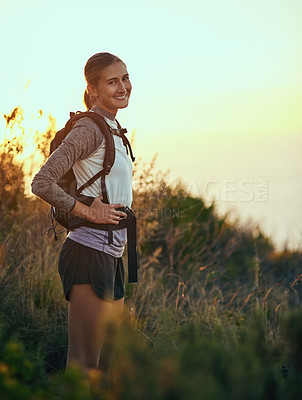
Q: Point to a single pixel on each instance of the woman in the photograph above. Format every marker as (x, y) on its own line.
(91, 269)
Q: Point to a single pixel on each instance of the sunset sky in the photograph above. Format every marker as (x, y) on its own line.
(217, 90)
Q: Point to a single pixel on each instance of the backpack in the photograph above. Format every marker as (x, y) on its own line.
(69, 185)
(68, 181)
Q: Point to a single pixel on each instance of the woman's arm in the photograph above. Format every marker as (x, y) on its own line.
(80, 143)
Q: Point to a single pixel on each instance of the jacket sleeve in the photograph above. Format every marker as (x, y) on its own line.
(82, 141)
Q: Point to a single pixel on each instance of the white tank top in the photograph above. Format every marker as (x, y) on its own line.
(119, 190)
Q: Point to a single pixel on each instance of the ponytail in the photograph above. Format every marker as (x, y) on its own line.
(87, 100)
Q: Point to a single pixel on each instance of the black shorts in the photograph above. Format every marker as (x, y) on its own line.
(79, 264)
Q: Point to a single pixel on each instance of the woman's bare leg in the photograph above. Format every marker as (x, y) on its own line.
(117, 308)
(107, 354)
(88, 316)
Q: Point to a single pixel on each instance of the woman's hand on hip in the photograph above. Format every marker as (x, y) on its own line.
(102, 213)
(99, 212)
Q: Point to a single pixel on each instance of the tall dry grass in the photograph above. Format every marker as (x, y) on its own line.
(215, 314)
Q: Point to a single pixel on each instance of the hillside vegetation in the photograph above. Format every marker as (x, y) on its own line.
(216, 313)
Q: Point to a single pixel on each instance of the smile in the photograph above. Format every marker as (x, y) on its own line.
(121, 97)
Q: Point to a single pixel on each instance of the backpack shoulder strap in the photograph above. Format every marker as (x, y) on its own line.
(109, 156)
(107, 132)
(121, 133)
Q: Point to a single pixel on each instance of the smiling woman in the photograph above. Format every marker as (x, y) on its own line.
(108, 87)
(90, 262)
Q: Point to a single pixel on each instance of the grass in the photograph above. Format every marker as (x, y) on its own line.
(185, 334)
(216, 313)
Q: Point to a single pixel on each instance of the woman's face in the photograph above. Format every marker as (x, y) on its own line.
(113, 88)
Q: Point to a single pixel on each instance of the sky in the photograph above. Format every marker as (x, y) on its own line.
(217, 90)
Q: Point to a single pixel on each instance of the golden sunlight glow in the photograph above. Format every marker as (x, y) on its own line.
(28, 136)
(217, 88)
